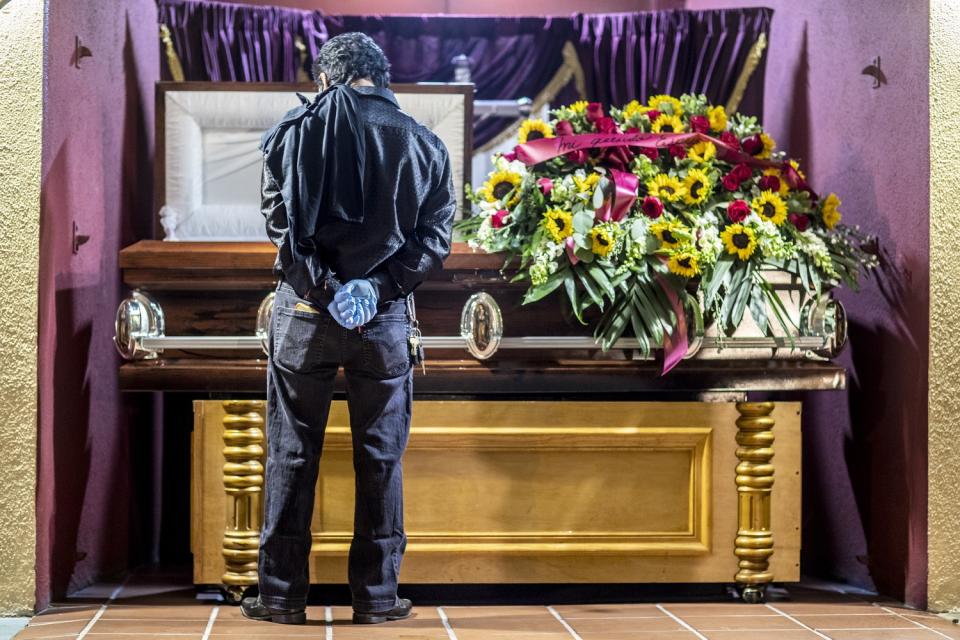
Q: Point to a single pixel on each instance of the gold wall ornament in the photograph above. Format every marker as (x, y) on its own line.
(173, 60)
(754, 543)
(749, 66)
(243, 483)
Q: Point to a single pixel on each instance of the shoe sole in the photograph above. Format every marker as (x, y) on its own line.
(279, 618)
(370, 618)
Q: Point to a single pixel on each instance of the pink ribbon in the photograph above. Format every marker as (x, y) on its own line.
(675, 344)
(543, 149)
(617, 207)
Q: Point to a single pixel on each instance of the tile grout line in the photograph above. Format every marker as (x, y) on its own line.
(113, 596)
(919, 624)
(566, 625)
(446, 624)
(795, 621)
(683, 623)
(210, 621)
(328, 619)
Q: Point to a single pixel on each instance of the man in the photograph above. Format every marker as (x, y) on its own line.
(359, 199)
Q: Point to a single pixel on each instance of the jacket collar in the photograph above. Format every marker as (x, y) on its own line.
(378, 92)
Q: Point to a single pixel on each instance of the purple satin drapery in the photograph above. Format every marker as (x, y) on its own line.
(628, 56)
(624, 56)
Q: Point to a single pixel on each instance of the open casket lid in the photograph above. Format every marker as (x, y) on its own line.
(208, 162)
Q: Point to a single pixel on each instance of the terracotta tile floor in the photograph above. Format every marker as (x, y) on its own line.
(162, 607)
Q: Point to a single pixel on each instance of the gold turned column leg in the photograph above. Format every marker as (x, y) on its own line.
(243, 483)
(754, 544)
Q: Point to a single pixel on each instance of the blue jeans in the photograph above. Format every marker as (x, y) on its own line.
(306, 350)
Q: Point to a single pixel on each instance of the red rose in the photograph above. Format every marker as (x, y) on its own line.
(499, 219)
(510, 156)
(769, 183)
(618, 157)
(700, 124)
(730, 139)
(678, 151)
(742, 171)
(651, 152)
(738, 210)
(606, 124)
(564, 128)
(546, 185)
(594, 111)
(753, 144)
(653, 114)
(652, 207)
(578, 157)
(799, 220)
(730, 182)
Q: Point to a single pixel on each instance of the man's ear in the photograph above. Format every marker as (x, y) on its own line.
(324, 81)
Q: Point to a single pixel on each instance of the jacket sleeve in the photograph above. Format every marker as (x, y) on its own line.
(429, 244)
(272, 208)
(274, 211)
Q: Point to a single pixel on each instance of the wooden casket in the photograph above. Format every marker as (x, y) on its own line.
(533, 457)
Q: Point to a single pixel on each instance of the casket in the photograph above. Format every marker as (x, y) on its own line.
(533, 457)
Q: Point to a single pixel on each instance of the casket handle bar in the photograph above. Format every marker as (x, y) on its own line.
(140, 332)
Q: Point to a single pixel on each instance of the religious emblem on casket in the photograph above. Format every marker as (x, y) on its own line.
(668, 213)
(481, 325)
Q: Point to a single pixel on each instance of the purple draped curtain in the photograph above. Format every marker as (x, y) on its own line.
(624, 56)
(628, 56)
(510, 57)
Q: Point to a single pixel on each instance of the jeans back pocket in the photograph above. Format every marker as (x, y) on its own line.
(298, 338)
(386, 352)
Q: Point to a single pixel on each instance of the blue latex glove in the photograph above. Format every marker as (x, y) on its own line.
(355, 304)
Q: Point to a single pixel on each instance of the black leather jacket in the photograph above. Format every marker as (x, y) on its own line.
(409, 204)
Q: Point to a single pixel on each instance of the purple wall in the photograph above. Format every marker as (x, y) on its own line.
(97, 145)
(865, 449)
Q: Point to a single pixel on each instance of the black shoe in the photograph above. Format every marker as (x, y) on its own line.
(399, 612)
(255, 610)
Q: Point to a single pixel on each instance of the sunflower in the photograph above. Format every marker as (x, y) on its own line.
(534, 130)
(831, 213)
(718, 118)
(667, 124)
(559, 223)
(773, 171)
(739, 241)
(602, 241)
(702, 152)
(770, 206)
(580, 106)
(500, 185)
(666, 104)
(634, 108)
(670, 233)
(665, 187)
(768, 146)
(696, 187)
(684, 262)
(586, 185)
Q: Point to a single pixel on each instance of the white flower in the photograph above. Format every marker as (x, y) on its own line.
(711, 246)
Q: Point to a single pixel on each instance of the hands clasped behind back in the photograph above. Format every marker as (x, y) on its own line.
(355, 304)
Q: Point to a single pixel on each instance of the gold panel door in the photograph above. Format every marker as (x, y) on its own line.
(510, 491)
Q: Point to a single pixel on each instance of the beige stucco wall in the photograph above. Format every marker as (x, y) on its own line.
(21, 90)
(944, 418)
